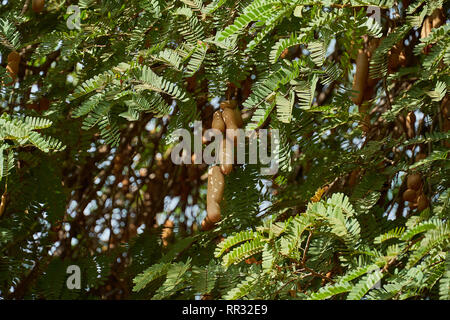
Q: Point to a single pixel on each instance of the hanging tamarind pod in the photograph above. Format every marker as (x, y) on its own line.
(229, 117)
(426, 27)
(410, 125)
(410, 195)
(420, 156)
(228, 104)
(12, 67)
(422, 202)
(414, 181)
(218, 122)
(216, 186)
(167, 232)
(37, 5)
(238, 117)
(226, 159)
(44, 104)
(353, 179)
(360, 79)
(437, 18)
(397, 57)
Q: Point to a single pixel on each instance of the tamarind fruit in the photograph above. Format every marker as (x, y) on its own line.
(216, 186)
(414, 181)
(360, 79)
(226, 163)
(422, 202)
(37, 5)
(397, 57)
(167, 232)
(218, 122)
(410, 195)
(410, 125)
(12, 67)
(228, 104)
(420, 156)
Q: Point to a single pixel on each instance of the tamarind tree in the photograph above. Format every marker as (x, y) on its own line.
(358, 91)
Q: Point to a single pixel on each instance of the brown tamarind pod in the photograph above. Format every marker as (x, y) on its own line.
(353, 179)
(445, 106)
(360, 79)
(422, 202)
(216, 185)
(226, 160)
(410, 195)
(167, 232)
(238, 116)
(426, 27)
(412, 205)
(218, 122)
(229, 117)
(397, 57)
(207, 224)
(13, 56)
(213, 211)
(228, 104)
(437, 18)
(37, 5)
(44, 104)
(12, 67)
(410, 125)
(420, 156)
(414, 181)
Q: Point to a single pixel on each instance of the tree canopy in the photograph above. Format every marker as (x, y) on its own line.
(92, 92)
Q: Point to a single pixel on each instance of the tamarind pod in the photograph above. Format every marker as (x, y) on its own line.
(229, 117)
(360, 79)
(437, 18)
(238, 116)
(207, 224)
(414, 181)
(420, 156)
(412, 205)
(426, 28)
(13, 56)
(218, 122)
(226, 160)
(353, 179)
(167, 232)
(410, 195)
(13, 66)
(397, 57)
(422, 202)
(410, 125)
(44, 104)
(216, 185)
(38, 5)
(213, 212)
(228, 104)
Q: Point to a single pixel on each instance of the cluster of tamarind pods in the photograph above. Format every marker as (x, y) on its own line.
(13, 59)
(414, 194)
(227, 119)
(363, 85)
